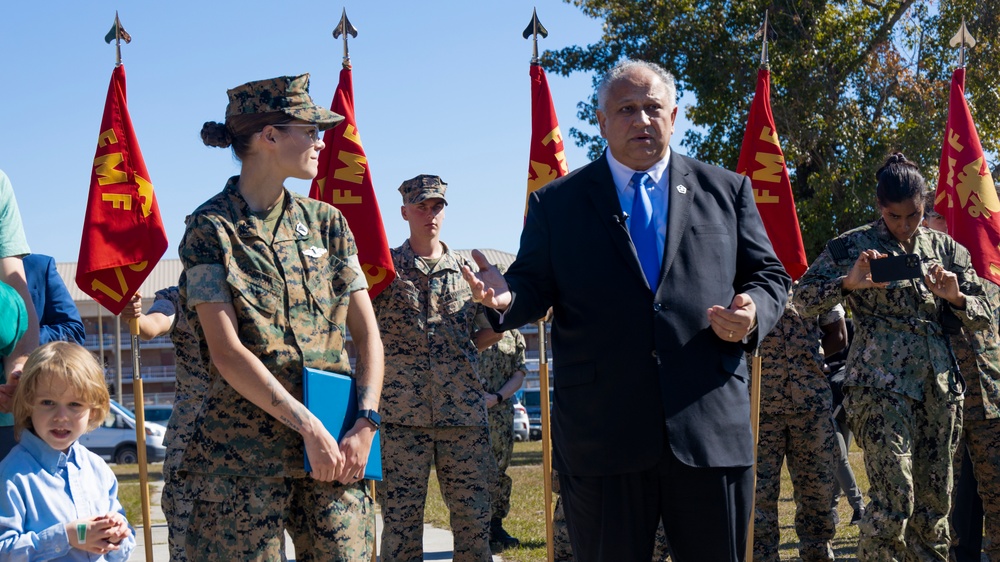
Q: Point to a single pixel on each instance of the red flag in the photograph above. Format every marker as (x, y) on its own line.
(966, 195)
(761, 159)
(123, 236)
(345, 182)
(547, 161)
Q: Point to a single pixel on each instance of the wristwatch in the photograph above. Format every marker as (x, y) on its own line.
(372, 417)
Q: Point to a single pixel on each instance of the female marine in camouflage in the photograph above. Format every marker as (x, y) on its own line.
(903, 391)
(271, 278)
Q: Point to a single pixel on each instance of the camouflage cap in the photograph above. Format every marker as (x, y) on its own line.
(422, 188)
(284, 94)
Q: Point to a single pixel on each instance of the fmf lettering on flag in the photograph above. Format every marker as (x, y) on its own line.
(762, 160)
(966, 195)
(546, 158)
(345, 182)
(123, 235)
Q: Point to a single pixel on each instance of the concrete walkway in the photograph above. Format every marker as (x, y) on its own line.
(438, 543)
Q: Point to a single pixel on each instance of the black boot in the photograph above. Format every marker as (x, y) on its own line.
(500, 540)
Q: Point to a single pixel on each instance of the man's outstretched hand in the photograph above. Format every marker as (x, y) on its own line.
(488, 285)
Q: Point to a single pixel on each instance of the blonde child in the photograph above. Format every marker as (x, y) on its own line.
(59, 500)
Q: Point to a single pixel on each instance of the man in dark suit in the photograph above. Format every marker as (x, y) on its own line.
(58, 317)
(653, 310)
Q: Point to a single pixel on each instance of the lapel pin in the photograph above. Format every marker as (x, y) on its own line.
(681, 189)
(301, 229)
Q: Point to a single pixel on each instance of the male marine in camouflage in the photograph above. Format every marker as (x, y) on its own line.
(796, 425)
(502, 367)
(432, 401)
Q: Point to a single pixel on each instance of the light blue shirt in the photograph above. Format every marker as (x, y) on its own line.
(658, 194)
(43, 490)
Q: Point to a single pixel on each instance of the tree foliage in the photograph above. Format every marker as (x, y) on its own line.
(852, 81)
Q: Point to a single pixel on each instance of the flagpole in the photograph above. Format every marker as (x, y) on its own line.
(140, 437)
(961, 39)
(755, 370)
(118, 34)
(534, 29)
(543, 383)
(118, 40)
(344, 28)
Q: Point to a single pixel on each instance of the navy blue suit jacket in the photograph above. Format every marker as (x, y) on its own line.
(634, 365)
(58, 318)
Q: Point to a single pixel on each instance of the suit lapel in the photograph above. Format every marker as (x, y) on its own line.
(681, 194)
(604, 196)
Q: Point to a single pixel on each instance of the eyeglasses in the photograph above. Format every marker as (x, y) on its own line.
(312, 131)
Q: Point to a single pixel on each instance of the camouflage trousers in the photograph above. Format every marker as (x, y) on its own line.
(807, 443)
(465, 470)
(243, 518)
(908, 446)
(176, 504)
(502, 441)
(563, 551)
(982, 437)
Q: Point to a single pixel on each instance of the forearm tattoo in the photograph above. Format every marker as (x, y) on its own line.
(366, 397)
(294, 417)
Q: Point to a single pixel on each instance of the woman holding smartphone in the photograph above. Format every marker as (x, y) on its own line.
(903, 390)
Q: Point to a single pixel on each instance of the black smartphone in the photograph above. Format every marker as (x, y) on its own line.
(896, 268)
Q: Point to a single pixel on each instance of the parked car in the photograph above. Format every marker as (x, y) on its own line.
(114, 440)
(158, 413)
(521, 423)
(531, 399)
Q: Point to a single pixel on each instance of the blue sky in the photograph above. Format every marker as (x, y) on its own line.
(440, 87)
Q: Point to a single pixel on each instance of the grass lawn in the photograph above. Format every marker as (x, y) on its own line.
(526, 520)
(128, 488)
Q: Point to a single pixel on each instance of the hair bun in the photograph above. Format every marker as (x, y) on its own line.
(894, 159)
(216, 134)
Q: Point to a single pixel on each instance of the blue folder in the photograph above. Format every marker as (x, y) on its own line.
(333, 399)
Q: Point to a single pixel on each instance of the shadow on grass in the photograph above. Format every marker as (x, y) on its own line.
(152, 476)
(526, 458)
(527, 453)
(845, 548)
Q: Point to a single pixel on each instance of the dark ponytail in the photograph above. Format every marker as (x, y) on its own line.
(899, 180)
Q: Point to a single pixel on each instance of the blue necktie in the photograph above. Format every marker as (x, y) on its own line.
(642, 229)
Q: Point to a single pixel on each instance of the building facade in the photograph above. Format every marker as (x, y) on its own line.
(108, 337)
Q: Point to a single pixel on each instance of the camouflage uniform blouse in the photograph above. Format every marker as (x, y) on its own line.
(290, 299)
(192, 373)
(899, 343)
(431, 364)
(979, 357)
(500, 361)
(792, 378)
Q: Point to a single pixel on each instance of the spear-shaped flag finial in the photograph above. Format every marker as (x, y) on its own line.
(345, 28)
(117, 34)
(961, 39)
(764, 33)
(535, 28)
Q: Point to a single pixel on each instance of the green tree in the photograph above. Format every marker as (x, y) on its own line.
(852, 81)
